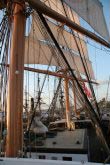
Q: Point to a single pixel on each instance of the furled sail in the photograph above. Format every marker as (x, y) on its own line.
(92, 12)
(40, 50)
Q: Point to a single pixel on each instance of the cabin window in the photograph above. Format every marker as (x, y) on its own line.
(65, 158)
(54, 158)
(42, 157)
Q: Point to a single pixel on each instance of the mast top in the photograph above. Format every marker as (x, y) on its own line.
(3, 4)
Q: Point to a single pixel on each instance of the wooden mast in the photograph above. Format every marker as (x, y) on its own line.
(66, 81)
(74, 94)
(15, 86)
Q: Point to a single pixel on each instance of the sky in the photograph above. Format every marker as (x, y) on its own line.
(100, 57)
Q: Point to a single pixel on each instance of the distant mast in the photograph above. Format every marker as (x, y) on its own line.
(15, 86)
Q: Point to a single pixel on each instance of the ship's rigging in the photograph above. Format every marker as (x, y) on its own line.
(51, 41)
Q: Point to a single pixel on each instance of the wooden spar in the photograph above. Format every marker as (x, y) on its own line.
(41, 7)
(66, 81)
(56, 74)
(74, 94)
(15, 86)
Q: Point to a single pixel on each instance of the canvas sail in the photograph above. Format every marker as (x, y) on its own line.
(92, 12)
(41, 54)
(38, 51)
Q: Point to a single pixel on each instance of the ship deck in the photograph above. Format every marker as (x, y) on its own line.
(65, 142)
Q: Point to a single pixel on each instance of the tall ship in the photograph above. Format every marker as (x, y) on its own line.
(48, 106)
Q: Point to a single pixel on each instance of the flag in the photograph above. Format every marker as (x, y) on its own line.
(86, 90)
